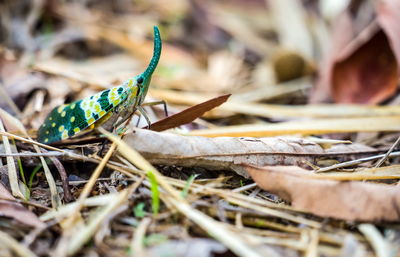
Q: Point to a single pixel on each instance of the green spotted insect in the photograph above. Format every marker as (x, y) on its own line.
(108, 108)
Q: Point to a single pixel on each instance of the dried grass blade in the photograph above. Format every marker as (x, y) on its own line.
(376, 240)
(67, 209)
(138, 160)
(275, 213)
(231, 240)
(55, 198)
(137, 239)
(281, 111)
(12, 169)
(79, 239)
(12, 244)
(389, 172)
(306, 127)
(88, 187)
(312, 248)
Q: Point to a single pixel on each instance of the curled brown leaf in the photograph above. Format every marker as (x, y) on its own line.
(360, 201)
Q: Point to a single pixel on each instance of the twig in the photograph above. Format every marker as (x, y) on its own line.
(64, 178)
(88, 187)
(49, 154)
(37, 205)
(12, 169)
(244, 188)
(384, 158)
(354, 162)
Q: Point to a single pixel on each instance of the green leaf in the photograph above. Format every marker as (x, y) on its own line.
(189, 182)
(139, 210)
(21, 169)
(155, 193)
(154, 239)
(33, 174)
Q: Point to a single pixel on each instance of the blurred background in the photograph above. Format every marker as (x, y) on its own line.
(285, 52)
(292, 66)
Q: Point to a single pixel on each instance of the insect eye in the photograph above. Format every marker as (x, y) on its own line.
(140, 80)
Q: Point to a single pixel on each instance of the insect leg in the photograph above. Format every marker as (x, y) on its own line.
(138, 120)
(158, 103)
(143, 112)
(125, 117)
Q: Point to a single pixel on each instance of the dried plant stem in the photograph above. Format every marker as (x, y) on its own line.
(88, 187)
(354, 162)
(12, 169)
(244, 188)
(312, 248)
(30, 154)
(100, 215)
(137, 239)
(83, 235)
(172, 197)
(275, 213)
(384, 158)
(12, 244)
(55, 198)
(376, 240)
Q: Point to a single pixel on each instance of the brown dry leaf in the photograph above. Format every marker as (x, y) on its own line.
(368, 76)
(18, 82)
(10, 208)
(352, 201)
(227, 153)
(388, 12)
(189, 114)
(362, 68)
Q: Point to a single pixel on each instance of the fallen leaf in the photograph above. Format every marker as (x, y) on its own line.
(18, 82)
(353, 201)
(361, 66)
(188, 115)
(228, 153)
(388, 12)
(367, 76)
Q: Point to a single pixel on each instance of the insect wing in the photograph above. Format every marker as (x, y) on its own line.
(69, 119)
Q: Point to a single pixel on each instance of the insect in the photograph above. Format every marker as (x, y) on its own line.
(108, 108)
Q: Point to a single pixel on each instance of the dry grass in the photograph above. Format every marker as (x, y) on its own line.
(173, 193)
